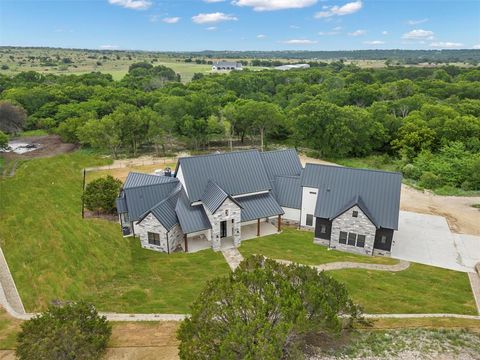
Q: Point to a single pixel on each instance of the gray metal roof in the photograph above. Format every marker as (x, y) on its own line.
(356, 200)
(258, 206)
(288, 191)
(121, 204)
(235, 172)
(143, 198)
(337, 186)
(227, 64)
(135, 179)
(281, 162)
(191, 218)
(164, 211)
(213, 197)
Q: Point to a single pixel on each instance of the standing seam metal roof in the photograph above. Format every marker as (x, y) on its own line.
(191, 218)
(379, 191)
(281, 163)
(213, 197)
(164, 211)
(258, 206)
(135, 179)
(288, 191)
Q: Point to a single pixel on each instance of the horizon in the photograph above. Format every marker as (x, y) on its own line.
(241, 25)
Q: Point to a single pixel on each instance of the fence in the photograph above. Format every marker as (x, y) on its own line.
(122, 164)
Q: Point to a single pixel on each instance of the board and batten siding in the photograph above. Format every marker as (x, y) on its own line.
(309, 201)
(360, 225)
(181, 178)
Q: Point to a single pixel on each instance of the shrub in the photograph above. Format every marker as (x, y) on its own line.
(429, 180)
(101, 193)
(264, 310)
(411, 172)
(3, 140)
(73, 331)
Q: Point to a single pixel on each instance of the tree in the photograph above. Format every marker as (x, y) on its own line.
(264, 310)
(100, 194)
(73, 331)
(101, 134)
(160, 132)
(3, 140)
(12, 117)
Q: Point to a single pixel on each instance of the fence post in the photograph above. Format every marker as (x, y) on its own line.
(83, 192)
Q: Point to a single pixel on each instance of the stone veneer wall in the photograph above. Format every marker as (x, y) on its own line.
(219, 216)
(360, 225)
(175, 238)
(151, 224)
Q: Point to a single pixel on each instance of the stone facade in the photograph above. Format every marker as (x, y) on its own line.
(175, 238)
(229, 211)
(360, 225)
(151, 224)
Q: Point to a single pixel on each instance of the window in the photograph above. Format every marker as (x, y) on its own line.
(226, 212)
(352, 237)
(361, 241)
(343, 237)
(309, 220)
(355, 213)
(313, 193)
(153, 238)
(323, 229)
(383, 239)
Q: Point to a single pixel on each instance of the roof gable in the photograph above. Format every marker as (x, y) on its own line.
(355, 201)
(235, 172)
(214, 197)
(376, 192)
(191, 218)
(164, 211)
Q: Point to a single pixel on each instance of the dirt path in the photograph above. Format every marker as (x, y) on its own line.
(461, 216)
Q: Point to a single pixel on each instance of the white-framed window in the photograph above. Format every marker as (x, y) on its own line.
(153, 238)
(360, 241)
(309, 220)
(323, 229)
(343, 237)
(352, 239)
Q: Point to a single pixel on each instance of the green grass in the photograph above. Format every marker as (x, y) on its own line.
(376, 162)
(419, 289)
(38, 132)
(54, 254)
(298, 246)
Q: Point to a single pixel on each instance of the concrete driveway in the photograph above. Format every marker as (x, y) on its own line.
(427, 239)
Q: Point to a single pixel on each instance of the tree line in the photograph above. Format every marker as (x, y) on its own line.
(337, 110)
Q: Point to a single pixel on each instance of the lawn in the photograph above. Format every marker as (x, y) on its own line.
(419, 289)
(54, 254)
(298, 246)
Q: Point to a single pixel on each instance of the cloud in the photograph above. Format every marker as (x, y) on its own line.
(476, 46)
(211, 28)
(445, 45)
(213, 1)
(300, 42)
(294, 27)
(108, 47)
(374, 42)
(261, 36)
(384, 32)
(334, 31)
(271, 5)
(132, 4)
(418, 34)
(171, 20)
(359, 32)
(417, 22)
(347, 9)
(212, 18)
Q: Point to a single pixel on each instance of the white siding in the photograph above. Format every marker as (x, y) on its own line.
(181, 178)
(253, 221)
(291, 214)
(309, 201)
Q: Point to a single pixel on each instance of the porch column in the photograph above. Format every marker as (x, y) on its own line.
(279, 225)
(258, 227)
(186, 242)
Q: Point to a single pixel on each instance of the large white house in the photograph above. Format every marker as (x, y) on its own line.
(213, 199)
(226, 65)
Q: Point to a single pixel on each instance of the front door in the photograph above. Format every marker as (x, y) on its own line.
(223, 229)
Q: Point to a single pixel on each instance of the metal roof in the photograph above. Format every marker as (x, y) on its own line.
(191, 218)
(121, 204)
(356, 200)
(288, 191)
(235, 172)
(281, 162)
(337, 186)
(135, 179)
(164, 211)
(143, 198)
(213, 197)
(258, 206)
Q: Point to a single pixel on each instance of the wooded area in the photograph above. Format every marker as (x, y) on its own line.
(427, 119)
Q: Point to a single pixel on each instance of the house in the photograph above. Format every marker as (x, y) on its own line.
(292, 66)
(226, 65)
(221, 199)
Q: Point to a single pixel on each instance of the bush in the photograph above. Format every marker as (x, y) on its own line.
(429, 180)
(265, 310)
(411, 172)
(3, 140)
(101, 193)
(74, 331)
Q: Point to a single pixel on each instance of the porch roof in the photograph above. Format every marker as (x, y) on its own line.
(258, 206)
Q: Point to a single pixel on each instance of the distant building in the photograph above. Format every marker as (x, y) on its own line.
(293, 66)
(226, 65)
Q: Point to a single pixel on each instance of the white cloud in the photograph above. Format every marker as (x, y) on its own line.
(108, 47)
(374, 42)
(347, 9)
(132, 4)
(294, 27)
(212, 18)
(300, 42)
(271, 5)
(384, 32)
(418, 34)
(446, 45)
(417, 22)
(211, 28)
(213, 1)
(476, 46)
(359, 32)
(171, 20)
(261, 36)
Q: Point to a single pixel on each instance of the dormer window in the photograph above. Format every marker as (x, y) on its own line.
(355, 213)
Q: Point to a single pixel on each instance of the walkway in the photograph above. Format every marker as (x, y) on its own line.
(233, 257)
(402, 265)
(475, 284)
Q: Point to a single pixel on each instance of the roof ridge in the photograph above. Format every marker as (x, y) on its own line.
(353, 168)
(157, 184)
(217, 154)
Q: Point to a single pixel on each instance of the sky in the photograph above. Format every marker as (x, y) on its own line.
(194, 25)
